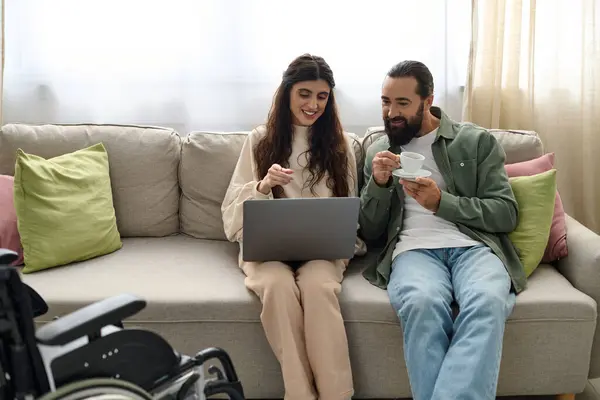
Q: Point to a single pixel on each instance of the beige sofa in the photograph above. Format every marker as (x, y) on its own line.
(167, 192)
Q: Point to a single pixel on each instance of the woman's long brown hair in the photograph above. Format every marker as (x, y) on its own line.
(327, 152)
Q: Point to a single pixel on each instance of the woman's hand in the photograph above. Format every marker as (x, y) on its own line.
(276, 176)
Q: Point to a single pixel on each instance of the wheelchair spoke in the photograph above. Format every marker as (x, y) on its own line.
(98, 389)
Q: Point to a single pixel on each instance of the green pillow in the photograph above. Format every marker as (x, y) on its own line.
(536, 195)
(64, 208)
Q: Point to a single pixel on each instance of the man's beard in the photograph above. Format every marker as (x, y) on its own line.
(399, 136)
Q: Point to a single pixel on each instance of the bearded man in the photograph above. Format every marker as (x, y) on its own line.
(444, 232)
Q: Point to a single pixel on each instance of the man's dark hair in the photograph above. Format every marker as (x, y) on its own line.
(417, 70)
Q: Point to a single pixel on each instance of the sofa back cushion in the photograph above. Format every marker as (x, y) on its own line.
(519, 145)
(143, 167)
(207, 163)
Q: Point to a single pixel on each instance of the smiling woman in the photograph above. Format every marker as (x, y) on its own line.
(308, 101)
(301, 152)
(304, 99)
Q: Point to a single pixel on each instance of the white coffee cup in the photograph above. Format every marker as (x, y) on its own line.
(411, 162)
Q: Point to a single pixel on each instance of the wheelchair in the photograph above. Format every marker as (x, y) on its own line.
(88, 354)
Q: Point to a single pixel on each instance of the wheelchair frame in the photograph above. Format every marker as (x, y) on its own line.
(90, 346)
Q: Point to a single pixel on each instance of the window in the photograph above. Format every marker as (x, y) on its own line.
(214, 64)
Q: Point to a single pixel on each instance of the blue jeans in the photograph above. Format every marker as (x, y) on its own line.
(446, 358)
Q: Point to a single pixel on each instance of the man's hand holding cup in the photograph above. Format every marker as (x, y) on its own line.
(384, 163)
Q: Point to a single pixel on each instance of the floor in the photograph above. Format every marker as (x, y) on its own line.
(592, 392)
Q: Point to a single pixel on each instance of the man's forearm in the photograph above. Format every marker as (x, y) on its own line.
(374, 209)
(495, 215)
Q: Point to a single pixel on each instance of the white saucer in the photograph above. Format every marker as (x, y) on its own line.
(400, 173)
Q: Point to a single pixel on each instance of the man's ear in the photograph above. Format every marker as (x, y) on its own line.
(429, 102)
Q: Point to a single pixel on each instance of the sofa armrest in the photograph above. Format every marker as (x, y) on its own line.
(7, 257)
(582, 268)
(89, 320)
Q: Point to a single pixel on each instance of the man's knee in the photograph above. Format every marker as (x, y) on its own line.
(485, 302)
(412, 299)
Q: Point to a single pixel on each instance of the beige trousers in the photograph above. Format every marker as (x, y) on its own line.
(304, 326)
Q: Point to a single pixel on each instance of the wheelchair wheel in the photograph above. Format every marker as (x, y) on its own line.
(98, 389)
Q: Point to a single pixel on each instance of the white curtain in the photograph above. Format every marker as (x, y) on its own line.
(214, 64)
(536, 65)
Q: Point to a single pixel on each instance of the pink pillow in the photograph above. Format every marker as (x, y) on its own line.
(9, 234)
(557, 242)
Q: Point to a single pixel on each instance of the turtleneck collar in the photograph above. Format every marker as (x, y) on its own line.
(303, 130)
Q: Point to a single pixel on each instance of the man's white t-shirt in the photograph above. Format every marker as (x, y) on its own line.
(421, 228)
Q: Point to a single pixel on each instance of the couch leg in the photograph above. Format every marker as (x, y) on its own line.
(565, 397)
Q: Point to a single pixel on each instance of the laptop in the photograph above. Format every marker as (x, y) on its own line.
(300, 229)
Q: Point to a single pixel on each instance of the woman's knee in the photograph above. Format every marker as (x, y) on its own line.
(320, 278)
(271, 279)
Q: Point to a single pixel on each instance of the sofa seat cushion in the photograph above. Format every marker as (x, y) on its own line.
(181, 278)
(548, 296)
(188, 279)
(197, 299)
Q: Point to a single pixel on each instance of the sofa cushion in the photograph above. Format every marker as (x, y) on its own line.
(207, 163)
(183, 279)
(187, 279)
(535, 195)
(360, 156)
(9, 230)
(143, 167)
(197, 299)
(517, 144)
(557, 242)
(65, 208)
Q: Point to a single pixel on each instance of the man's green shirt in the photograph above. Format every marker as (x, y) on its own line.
(478, 198)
